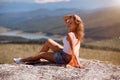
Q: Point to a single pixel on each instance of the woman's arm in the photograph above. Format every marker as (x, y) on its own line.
(75, 58)
(74, 61)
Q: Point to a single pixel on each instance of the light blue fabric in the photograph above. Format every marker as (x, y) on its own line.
(60, 57)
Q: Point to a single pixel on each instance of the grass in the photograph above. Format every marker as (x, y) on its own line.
(102, 55)
(9, 51)
(111, 44)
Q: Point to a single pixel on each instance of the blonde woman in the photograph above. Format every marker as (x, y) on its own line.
(67, 54)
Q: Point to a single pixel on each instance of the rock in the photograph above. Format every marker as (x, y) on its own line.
(94, 70)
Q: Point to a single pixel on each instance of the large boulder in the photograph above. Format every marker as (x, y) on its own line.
(94, 70)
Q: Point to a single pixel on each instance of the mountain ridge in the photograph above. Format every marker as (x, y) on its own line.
(96, 22)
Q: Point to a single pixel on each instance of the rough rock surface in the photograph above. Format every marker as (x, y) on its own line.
(94, 70)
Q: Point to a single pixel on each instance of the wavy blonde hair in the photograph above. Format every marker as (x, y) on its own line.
(79, 30)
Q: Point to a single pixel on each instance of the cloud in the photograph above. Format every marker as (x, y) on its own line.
(50, 1)
(26, 1)
(35, 1)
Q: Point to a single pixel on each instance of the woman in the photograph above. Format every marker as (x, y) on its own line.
(67, 54)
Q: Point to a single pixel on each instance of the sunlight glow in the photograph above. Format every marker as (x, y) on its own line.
(117, 2)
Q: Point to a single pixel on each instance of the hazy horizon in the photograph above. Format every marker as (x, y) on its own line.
(96, 16)
(29, 5)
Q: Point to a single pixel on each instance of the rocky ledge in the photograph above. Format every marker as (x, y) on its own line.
(94, 70)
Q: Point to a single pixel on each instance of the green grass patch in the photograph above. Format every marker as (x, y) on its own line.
(102, 55)
(9, 51)
(112, 45)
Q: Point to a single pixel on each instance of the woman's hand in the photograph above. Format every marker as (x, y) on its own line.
(67, 66)
(80, 66)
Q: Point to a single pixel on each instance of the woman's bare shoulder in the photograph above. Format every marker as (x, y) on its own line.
(71, 35)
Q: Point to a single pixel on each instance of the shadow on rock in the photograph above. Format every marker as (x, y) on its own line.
(43, 63)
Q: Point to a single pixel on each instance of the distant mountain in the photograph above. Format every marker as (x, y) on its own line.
(103, 24)
(17, 19)
(99, 24)
(14, 7)
(106, 32)
(11, 7)
(103, 17)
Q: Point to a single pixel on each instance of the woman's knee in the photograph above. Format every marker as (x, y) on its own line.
(49, 40)
(54, 45)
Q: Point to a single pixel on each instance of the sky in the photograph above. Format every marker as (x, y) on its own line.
(55, 4)
(35, 1)
(116, 2)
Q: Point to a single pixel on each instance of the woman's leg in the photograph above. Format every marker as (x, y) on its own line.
(44, 55)
(49, 44)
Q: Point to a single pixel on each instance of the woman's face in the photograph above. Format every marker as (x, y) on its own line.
(70, 23)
